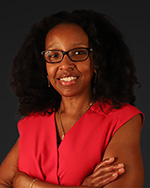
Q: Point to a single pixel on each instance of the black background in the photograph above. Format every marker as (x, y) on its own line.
(16, 18)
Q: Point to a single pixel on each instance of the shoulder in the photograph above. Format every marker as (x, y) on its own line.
(116, 118)
(124, 112)
(34, 121)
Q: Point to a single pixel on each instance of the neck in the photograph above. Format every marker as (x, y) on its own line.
(74, 105)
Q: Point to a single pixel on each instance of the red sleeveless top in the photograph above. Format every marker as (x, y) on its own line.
(79, 152)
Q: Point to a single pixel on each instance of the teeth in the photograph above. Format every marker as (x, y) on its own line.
(68, 79)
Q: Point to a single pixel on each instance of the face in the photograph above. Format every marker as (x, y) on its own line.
(67, 77)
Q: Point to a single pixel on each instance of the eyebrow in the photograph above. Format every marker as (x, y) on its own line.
(73, 45)
(78, 44)
(52, 46)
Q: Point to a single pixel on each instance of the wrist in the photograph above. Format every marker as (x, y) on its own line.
(33, 181)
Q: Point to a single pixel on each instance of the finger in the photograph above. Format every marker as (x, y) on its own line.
(120, 171)
(109, 174)
(107, 169)
(100, 181)
(104, 181)
(105, 162)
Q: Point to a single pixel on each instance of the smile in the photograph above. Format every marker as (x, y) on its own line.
(68, 79)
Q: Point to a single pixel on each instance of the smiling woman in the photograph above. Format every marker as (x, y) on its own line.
(70, 77)
(75, 78)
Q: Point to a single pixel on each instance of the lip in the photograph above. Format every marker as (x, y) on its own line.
(68, 80)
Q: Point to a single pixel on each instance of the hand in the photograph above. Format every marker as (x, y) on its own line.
(21, 180)
(104, 173)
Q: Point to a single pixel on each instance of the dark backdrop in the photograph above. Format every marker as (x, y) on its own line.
(16, 18)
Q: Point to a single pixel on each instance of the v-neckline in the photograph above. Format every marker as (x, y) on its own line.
(59, 145)
(58, 139)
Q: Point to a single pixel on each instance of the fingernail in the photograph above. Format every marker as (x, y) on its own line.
(120, 165)
(111, 159)
(121, 170)
(114, 174)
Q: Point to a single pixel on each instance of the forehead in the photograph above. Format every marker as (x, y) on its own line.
(66, 32)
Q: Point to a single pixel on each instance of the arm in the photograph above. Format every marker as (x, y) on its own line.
(8, 167)
(125, 145)
(104, 173)
(10, 177)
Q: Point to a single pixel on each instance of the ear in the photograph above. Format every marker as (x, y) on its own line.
(49, 84)
(95, 71)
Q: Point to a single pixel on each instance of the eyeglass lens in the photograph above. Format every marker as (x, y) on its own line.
(79, 54)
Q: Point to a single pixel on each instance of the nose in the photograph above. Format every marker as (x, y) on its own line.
(66, 63)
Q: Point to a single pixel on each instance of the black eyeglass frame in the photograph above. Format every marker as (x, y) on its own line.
(67, 53)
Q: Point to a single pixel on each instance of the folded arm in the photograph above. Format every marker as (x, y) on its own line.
(11, 177)
(104, 173)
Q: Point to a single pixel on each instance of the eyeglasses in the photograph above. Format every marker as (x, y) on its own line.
(75, 55)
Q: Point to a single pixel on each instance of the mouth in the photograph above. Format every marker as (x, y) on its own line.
(69, 78)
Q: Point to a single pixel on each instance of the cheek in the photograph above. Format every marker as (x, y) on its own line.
(87, 69)
(51, 71)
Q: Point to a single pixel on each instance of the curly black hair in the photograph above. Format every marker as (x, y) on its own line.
(115, 71)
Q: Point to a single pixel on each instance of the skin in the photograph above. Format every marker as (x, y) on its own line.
(76, 92)
(126, 169)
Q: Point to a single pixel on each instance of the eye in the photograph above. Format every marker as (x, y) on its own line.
(53, 55)
(79, 52)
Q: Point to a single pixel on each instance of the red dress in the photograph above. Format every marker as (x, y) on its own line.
(79, 152)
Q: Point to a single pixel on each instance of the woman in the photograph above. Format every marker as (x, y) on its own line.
(80, 126)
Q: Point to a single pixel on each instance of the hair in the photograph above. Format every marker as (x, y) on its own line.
(115, 71)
